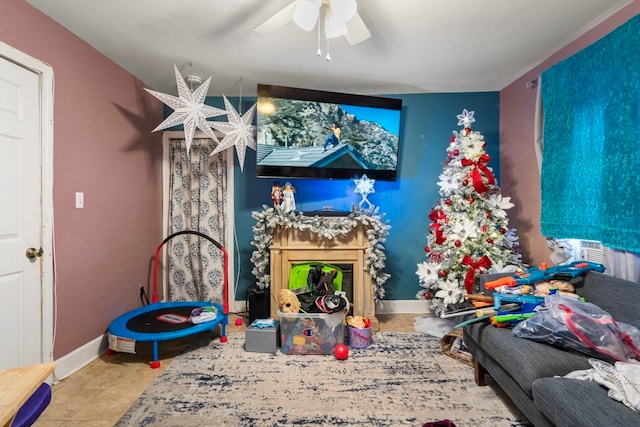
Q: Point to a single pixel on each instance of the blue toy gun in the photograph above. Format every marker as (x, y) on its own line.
(529, 301)
(540, 274)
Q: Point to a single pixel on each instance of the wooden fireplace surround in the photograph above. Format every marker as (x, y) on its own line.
(292, 246)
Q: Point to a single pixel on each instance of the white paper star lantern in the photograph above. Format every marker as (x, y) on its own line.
(189, 109)
(239, 131)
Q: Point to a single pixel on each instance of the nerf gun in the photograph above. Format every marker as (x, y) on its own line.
(530, 300)
(540, 274)
(506, 319)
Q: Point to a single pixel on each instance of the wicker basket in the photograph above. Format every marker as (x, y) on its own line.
(452, 345)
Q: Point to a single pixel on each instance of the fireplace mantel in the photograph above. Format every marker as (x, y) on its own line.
(292, 246)
(284, 239)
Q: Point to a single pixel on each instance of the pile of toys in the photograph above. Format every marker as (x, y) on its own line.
(520, 296)
(541, 305)
(318, 296)
(358, 322)
(312, 316)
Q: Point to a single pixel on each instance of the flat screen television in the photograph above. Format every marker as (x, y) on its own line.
(303, 133)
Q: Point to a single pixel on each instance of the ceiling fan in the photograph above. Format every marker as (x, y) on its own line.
(340, 19)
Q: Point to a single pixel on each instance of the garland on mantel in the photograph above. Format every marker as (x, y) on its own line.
(324, 227)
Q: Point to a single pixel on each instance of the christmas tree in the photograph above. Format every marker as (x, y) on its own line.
(468, 233)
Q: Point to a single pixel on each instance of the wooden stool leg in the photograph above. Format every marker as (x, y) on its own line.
(479, 373)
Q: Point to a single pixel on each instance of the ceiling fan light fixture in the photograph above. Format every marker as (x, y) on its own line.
(306, 13)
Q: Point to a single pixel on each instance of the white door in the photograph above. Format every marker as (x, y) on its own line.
(21, 219)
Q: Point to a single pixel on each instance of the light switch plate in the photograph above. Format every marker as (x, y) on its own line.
(79, 200)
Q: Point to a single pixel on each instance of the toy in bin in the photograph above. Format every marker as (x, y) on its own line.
(311, 333)
(359, 328)
(314, 327)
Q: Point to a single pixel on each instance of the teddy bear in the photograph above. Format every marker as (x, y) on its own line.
(288, 301)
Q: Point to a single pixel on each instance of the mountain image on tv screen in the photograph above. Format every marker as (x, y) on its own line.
(303, 134)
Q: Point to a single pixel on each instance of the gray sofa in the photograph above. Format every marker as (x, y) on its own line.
(526, 369)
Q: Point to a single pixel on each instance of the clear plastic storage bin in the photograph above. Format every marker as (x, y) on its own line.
(311, 333)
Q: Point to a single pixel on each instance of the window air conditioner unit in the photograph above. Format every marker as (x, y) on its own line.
(589, 250)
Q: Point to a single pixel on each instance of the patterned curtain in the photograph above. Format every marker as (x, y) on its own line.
(198, 194)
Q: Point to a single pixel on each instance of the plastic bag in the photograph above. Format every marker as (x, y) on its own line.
(573, 324)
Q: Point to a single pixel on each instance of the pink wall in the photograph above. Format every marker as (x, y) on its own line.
(103, 146)
(518, 166)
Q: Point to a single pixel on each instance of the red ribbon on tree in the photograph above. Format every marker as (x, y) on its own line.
(435, 216)
(480, 166)
(483, 262)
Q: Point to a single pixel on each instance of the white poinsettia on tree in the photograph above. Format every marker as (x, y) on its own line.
(468, 234)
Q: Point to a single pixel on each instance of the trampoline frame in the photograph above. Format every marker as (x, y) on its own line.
(119, 328)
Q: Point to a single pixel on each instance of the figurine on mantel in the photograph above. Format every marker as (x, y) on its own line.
(288, 198)
(276, 194)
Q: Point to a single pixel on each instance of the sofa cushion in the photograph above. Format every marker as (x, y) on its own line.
(524, 359)
(571, 402)
(618, 297)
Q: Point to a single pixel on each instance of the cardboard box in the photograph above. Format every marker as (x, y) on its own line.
(311, 333)
(262, 339)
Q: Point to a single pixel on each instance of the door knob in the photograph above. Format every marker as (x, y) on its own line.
(33, 253)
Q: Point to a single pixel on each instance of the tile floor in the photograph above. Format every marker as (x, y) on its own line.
(100, 393)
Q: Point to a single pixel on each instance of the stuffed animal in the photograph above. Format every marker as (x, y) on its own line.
(288, 301)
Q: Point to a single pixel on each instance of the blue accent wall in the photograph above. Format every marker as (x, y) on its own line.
(428, 121)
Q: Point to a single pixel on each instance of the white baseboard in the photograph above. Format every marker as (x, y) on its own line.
(388, 307)
(80, 357)
(404, 307)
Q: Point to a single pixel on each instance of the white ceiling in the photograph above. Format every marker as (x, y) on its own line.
(417, 46)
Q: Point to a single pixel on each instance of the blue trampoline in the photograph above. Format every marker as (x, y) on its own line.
(164, 321)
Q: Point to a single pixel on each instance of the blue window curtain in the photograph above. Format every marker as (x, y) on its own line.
(590, 175)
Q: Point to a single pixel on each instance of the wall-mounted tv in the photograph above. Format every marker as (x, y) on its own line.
(303, 133)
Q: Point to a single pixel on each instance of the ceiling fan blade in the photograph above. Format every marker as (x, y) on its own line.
(277, 21)
(357, 31)
(334, 26)
(306, 14)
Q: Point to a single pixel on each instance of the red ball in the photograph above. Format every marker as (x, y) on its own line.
(427, 249)
(465, 182)
(458, 243)
(341, 352)
(443, 273)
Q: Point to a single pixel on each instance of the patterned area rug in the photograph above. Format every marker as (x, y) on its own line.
(401, 379)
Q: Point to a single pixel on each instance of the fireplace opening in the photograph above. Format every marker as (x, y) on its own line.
(347, 283)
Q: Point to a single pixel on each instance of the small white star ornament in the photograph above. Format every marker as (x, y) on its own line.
(189, 109)
(239, 131)
(364, 187)
(466, 118)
